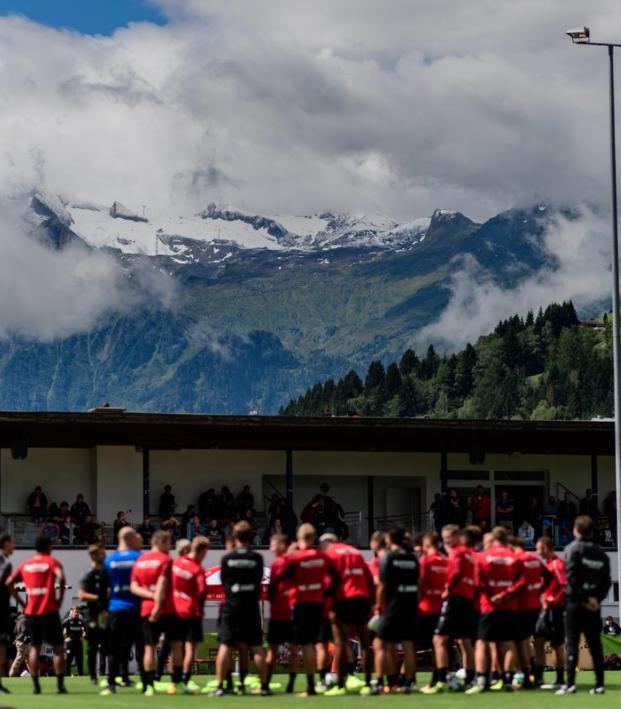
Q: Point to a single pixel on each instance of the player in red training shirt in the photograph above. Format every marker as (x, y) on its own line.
(529, 604)
(552, 628)
(458, 616)
(150, 581)
(433, 570)
(305, 574)
(378, 545)
(352, 607)
(280, 631)
(189, 590)
(44, 581)
(500, 577)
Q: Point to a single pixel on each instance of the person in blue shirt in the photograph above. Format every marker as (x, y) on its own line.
(123, 609)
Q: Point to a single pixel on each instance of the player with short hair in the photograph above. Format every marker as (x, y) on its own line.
(280, 631)
(44, 581)
(397, 593)
(458, 616)
(150, 581)
(189, 590)
(240, 625)
(500, 576)
(551, 626)
(91, 592)
(123, 610)
(352, 607)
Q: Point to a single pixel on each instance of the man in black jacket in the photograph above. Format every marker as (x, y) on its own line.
(588, 581)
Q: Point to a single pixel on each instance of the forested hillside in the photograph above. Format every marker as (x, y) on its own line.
(544, 366)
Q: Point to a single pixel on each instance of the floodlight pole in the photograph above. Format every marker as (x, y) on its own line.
(616, 324)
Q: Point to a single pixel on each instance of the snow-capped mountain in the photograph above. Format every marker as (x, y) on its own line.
(187, 238)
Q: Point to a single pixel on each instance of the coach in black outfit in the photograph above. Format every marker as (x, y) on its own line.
(588, 581)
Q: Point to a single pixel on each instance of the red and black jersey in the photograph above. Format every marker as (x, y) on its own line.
(461, 571)
(353, 571)
(499, 572)
(554, 593)
(279, 591)
(189, 587)
(434, 568)
(39, 575)
(529, 597)
(146, 572)
(306, 573)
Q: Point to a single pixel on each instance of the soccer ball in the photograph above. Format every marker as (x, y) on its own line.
(455, 682)
(331, 679)
(518, 680)
(374, 624)
(461, 673)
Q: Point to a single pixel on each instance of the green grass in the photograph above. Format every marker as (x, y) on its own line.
(83, 695)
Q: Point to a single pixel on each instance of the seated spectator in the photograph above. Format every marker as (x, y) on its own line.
(610, 627)
(62, 518)
(214, 533)
(245, 500)
(49, 530)
(91, 531)
(52, 510)
(172, 525)
(168, 504)
(119, 523)
(527, 533)
(188, 516)
(195, 527)
(277, 528)
(79, 510)
(208, 504)
(226, 502)
(146, 529)
(37, 504)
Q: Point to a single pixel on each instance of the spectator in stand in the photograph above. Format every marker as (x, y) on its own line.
(527, 533)
(168, 504)
(79, 510)
(214, 533)
(456, 511)
(62, 517)
(119, 523)
(610, 627)
(325, 514)
(146, 529)
(550, 506)
(245, 500)
(436, 512)
(277, 508)
(588, 505)
(226, 502)
(566, 512)
(188, 516)
(481, 508)
(91, 532)
(195, 528)
(208, 504)
(277, 528)
(173, 526)
(610, 510)
(505, 511)
(37, 504)
(50, 530)
(533, 515)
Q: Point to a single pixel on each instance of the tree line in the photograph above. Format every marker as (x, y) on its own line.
(545, 366)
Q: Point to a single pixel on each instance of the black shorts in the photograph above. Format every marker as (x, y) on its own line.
(426, 625)
(398, 626)
(280, 632)
(325, 631)
(307, 619)
(353, 611)
(498, 626)
(458, 618)
(45, 629)
(242, 627)
(190, 630)
(551, 625)
(125, 628)
(168, 625)
(526, 624)
(5, 630)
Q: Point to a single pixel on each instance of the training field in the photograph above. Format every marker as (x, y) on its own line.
(85, 696)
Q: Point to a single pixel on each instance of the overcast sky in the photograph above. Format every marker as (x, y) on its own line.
(391, 106)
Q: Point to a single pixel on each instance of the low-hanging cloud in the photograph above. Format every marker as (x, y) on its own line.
(580, 249)
(49, 293)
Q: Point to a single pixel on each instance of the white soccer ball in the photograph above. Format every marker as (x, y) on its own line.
(374, 624)
(331, 680)
(518, 680)
(455, 683)
(461, 673)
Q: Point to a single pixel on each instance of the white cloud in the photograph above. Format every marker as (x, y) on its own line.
(478, 303)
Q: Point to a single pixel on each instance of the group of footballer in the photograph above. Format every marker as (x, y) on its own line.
(495, 601)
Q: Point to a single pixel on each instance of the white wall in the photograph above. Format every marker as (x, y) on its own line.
(61, 472)
(119, 482)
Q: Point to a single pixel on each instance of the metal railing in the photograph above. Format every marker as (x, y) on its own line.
(413, 523)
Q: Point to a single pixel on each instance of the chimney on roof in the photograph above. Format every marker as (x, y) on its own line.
(107, 408)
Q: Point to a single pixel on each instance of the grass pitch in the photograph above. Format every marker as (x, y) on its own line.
(84, 696)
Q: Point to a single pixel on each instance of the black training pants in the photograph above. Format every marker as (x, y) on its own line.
(75, 653)
(96, 638)
(578, 620)
(124, 632)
